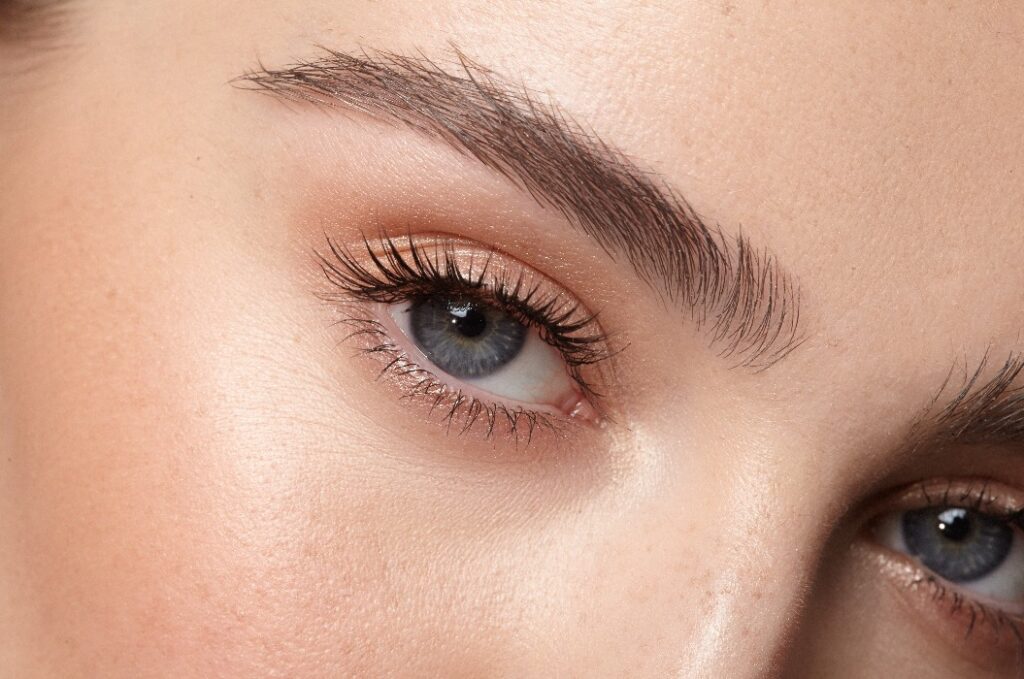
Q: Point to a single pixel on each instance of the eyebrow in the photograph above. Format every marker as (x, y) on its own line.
(984, 410)
(32, 22)
(735, 292)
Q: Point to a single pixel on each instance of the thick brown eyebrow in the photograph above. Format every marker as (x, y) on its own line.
(748, 305)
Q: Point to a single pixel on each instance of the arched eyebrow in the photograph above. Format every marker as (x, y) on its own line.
(737, 293)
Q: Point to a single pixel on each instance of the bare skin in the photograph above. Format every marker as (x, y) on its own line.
(200, 476)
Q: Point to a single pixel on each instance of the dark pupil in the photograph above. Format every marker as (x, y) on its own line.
(958, 544)
(954, 524)
(468, 321)
(465, 338)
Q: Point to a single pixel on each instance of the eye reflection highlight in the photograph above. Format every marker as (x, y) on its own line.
(464, 338)
(487, 349)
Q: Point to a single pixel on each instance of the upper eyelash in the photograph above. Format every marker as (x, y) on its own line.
(392, 275)
(976, 497)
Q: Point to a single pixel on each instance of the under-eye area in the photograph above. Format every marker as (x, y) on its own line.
(486, 342)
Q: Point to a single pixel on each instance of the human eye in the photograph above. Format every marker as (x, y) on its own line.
(965, 540)
(488, 342)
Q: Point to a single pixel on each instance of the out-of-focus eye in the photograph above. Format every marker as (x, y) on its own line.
(487, 348)
(978, 553)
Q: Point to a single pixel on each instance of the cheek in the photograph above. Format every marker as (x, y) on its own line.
(198, 491)
(200, 482)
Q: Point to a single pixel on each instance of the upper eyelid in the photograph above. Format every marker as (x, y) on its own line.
(745, 298)
(387, 254)
(982, 495)
(434, 258)
(976, 493)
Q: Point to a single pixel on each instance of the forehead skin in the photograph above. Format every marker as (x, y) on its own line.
(181, 494)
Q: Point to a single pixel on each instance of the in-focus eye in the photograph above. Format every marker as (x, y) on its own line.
(464, 338)
(482, 346)
(956, 543)
(476, 334)
(980, 554)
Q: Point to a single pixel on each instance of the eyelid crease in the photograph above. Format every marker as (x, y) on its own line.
(983, 495)
(33, 23)
(747, 303)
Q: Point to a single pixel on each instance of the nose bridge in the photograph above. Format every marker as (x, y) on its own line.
(754, 597)
(750, 618)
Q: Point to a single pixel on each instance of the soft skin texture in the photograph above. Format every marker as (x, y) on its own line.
(199, 479)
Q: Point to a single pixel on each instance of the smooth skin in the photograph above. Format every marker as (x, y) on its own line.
(198, 479)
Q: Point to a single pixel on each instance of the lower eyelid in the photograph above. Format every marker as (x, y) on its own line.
(479, 412)
(451, 408)
(557, 391)
(992, 639)
(566, 401)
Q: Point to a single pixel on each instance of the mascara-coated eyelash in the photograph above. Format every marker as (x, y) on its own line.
(483, 336)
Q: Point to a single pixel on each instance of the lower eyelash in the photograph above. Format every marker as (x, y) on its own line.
(974, 613)
(455, 405)
(960, 604)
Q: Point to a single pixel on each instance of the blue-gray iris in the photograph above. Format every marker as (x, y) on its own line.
(956, 543)
(464, 338)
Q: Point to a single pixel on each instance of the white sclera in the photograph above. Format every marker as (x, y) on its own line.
(536, 376)
(1004, 586)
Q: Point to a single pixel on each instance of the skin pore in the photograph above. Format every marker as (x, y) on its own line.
(790, 235)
